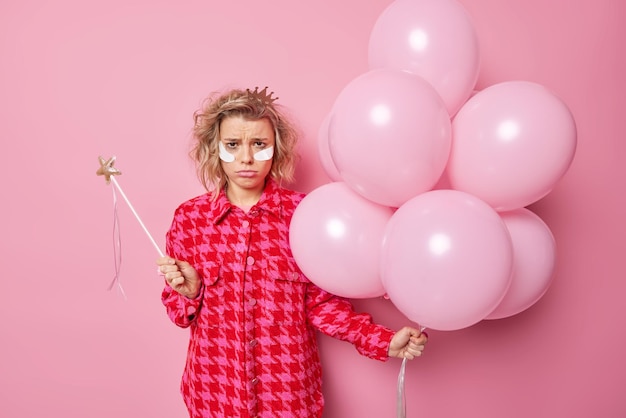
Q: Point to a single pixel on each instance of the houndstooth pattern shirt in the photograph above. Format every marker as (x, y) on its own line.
(253, 350)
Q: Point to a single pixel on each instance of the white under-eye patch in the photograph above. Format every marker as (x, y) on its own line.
(225, 155)
(264, 155)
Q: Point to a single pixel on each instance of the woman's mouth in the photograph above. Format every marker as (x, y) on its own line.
(246, 173)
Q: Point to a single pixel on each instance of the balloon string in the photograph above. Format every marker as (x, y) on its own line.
(401, 400)
(117, 248)
(116, 184)
(401, 395)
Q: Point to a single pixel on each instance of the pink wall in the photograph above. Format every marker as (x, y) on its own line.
(79, 79)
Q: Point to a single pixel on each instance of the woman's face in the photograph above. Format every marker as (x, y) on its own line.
(246, 151)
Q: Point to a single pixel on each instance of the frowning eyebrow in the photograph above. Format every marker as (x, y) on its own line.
(248, 139)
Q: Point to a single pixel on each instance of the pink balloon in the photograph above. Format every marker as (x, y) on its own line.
(335, 237)
(446, 259)
(511, 143)
(323, 149)
(434, 39)
(389, 136)
(534, 254)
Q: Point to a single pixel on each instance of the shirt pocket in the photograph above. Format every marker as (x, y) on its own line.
(284, 291)
(211, 312)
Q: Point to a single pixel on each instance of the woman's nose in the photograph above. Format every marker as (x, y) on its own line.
(247, 155)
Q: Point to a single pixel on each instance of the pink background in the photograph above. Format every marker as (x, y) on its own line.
(81, 79)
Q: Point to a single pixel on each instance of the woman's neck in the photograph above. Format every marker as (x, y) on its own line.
(243, 197)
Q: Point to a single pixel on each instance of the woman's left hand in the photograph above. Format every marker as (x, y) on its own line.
(407, 343)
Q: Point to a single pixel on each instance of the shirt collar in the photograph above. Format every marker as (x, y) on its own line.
(270, 202)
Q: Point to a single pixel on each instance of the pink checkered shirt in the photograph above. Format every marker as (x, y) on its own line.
(252, 349)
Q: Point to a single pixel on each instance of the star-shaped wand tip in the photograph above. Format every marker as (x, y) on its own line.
(106, 169)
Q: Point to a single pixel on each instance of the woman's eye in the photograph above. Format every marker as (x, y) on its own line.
(231, 145)
(259, 144)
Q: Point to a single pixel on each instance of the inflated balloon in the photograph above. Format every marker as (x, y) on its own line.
(446, 259)
(389, 136)
(323, 150)
(534, 256)
(511, 143)
(434, 39)
(335, 237)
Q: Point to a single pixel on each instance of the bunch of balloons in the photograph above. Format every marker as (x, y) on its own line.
(447, 257)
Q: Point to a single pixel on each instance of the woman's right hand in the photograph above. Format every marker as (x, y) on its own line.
(180, 275)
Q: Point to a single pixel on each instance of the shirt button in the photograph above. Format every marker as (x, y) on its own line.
(253, 343)
(252, 302)
(255, 380)
(245, 224)
(250, 260)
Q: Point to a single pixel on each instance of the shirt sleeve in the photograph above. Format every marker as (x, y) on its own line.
(335, 316)
(181, 310)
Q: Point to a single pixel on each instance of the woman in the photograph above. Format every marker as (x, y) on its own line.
(230, 275)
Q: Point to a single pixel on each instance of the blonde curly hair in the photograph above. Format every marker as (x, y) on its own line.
(206, 136)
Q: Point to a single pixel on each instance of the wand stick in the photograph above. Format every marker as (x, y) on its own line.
(108, 171)
(119, 188)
